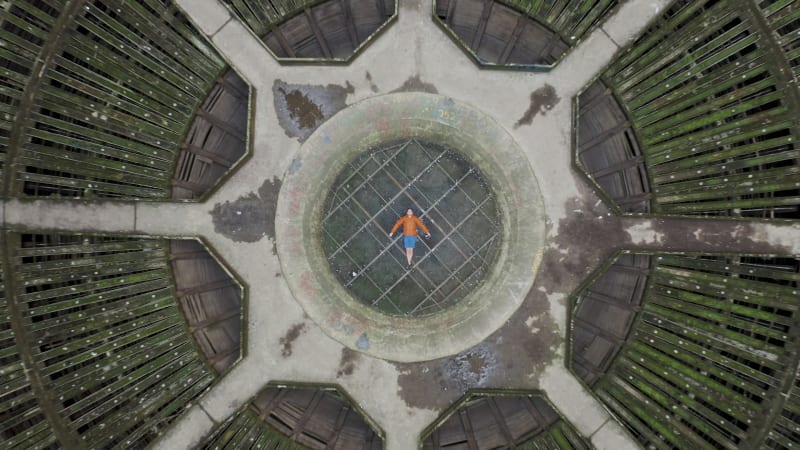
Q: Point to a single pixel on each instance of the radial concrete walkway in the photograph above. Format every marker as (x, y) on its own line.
(527, 352)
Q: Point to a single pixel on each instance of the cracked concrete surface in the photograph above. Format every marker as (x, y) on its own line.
(527, 352)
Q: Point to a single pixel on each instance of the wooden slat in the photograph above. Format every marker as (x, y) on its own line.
(122, 84)
(711, 350)
(110, 337)
(712, 107)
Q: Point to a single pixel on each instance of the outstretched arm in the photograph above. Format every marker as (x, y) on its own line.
(396, 226)
(421, 224)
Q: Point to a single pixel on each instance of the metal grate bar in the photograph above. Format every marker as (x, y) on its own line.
(371, 219)
(488, 241)
(437, 201)
(449, 177)
(422, 213)
(422, 194)
(330, 213)
(394, 258)
(402, 277)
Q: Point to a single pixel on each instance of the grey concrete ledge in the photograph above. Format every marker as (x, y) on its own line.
(70, 215)
(389, 118)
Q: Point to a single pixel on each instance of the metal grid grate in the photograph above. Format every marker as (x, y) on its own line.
(446, 192)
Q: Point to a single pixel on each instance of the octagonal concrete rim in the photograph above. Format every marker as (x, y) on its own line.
(489, 147)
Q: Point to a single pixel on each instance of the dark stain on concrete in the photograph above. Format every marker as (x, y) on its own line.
(599, 233)
(514, 356)
(415, 84)
(301, 108)
(347, 363)
(702, 235)
(542, 100)
(372, 86)
(288, 339)
(250, 217)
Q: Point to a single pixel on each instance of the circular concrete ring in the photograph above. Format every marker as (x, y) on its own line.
(434, 118)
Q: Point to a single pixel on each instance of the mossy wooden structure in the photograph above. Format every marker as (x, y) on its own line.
(96, 349)
(698, 115)
(114, 99)
(693, 350)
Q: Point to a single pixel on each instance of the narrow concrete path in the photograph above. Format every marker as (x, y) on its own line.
(413, 48)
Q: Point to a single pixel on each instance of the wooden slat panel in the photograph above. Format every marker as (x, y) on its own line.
(110, 336)
(711, 350)
(713, 109)
(118, 97)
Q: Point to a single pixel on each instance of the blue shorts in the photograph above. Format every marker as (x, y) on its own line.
(409, 241)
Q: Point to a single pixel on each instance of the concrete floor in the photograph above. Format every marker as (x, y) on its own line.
(527, 352)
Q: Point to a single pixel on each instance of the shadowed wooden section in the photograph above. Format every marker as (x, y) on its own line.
(496, 419)
(784, 432)
(605, 313)
(22, 422)
(332, 29)
(103, 341)
(608, 151)
(113, 90)
(216, 140)
(296, 417)
(709, 360)
(24, 27)
(520, 33)
(211, 301)
(711, 95)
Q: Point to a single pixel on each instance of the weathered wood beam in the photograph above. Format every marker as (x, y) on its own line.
(341, 418)
(512, 41)
(22, 120)
(482, 22)
(468, 432)
(318, 34)
(285, 45)
(46, 398)
(349, 21)
(501, 421)
(308, 413)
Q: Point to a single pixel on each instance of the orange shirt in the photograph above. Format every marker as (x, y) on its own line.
(410, 224)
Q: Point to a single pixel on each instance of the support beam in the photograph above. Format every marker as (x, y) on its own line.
(24, 113)
(484, 20)
(318, 34)
(350, 23)
(48, 403)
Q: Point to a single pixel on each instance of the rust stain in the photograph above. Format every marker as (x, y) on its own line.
(251, 217)
(415, 84)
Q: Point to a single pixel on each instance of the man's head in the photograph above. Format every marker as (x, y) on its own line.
(410, 212)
